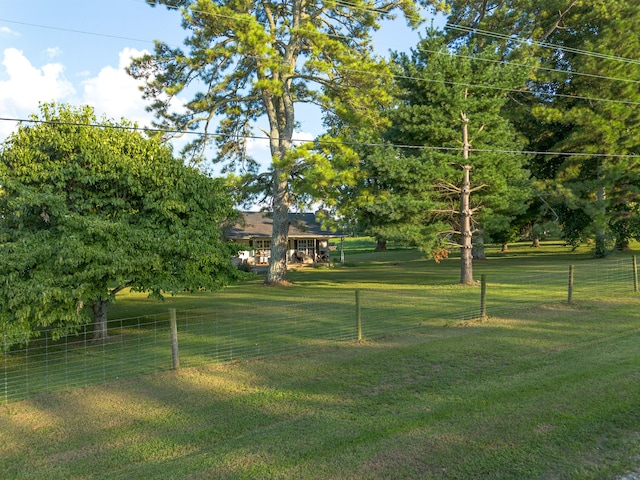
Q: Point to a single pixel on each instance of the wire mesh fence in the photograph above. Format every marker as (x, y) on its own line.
(222, 334)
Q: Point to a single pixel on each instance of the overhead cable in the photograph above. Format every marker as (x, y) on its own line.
(323, 141)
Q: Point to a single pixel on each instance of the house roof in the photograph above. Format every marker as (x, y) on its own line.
(260, 224)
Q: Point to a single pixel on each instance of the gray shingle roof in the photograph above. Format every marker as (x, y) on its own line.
(260, 224)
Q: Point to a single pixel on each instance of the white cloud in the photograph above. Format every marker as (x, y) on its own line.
(26, 86)
(257, 145)
(112, 92)
(302, 137)
(261, 145)
(7, 31)
(52, 52)
(116, 94)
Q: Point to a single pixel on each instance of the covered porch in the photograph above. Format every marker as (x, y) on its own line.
(308, 242)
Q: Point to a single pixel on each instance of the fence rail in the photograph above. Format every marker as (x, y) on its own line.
(222, 334)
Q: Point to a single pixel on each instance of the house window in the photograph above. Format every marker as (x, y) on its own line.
(306, 246)
(262, 249)
(261, 244)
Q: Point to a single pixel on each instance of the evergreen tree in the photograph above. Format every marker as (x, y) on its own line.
(248, 59)
(584, 107)
(441, 92)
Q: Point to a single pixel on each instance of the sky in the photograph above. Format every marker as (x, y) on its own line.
(76, 51)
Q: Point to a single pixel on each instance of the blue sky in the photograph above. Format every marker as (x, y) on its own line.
(75, 51)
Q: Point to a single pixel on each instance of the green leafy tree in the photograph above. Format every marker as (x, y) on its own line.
(443, 91)
(248, 60)
(585, 105)
(396, 199)
(598, 175)
(87, 210)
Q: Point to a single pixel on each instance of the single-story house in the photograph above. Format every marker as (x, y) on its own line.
(308, 241)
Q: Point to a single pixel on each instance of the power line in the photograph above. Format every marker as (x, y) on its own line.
(82, 32)
(488, 87)
(528, 41)
(524, 65)
(466, 85)
(516, 90)
(577, 51)
(448, 25)
(323, 141)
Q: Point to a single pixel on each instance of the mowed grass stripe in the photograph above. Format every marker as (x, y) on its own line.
(542, 391)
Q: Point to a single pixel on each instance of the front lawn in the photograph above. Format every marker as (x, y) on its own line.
(539, 390)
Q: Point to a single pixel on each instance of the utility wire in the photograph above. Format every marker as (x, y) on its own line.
(81, 32)
(501, 36)
(517, 90)
(488, 87)
(524, 65)
(449, 26)
(322, 141)
(467, 85)
(577, 51)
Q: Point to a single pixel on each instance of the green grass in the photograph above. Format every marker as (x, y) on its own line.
(539, 390)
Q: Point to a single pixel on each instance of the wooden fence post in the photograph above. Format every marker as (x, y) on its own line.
(570, 289)
(483, 296)
(358, 316)
(635, 275)
(173, 324)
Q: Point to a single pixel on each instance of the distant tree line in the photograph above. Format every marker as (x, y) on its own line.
(548, 91)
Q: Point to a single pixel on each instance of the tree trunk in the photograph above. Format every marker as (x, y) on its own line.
(277, 272)
(622, 243)
(381, 245)
(100, 308)
(280, 112)
(466, 249)
(601, 248)
(477, 252)
(505, 248)
(466, 254)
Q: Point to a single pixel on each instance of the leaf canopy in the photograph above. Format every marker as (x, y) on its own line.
(90, 207)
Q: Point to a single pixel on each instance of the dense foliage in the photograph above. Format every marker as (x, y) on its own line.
(251, 60)
(411, 190)
(557, 79)
(87, 210)
(580, 109)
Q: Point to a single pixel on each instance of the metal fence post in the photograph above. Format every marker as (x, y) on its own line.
(173, 324)
(570, 289)
(358, 316)
(483, 296)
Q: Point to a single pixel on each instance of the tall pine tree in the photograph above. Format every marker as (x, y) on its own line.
(583, 114)
(423, 175)
(249, 59)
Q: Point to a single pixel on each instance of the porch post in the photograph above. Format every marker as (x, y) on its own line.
(252, 244)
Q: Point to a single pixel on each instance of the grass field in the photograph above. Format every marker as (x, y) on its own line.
(540, 389)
